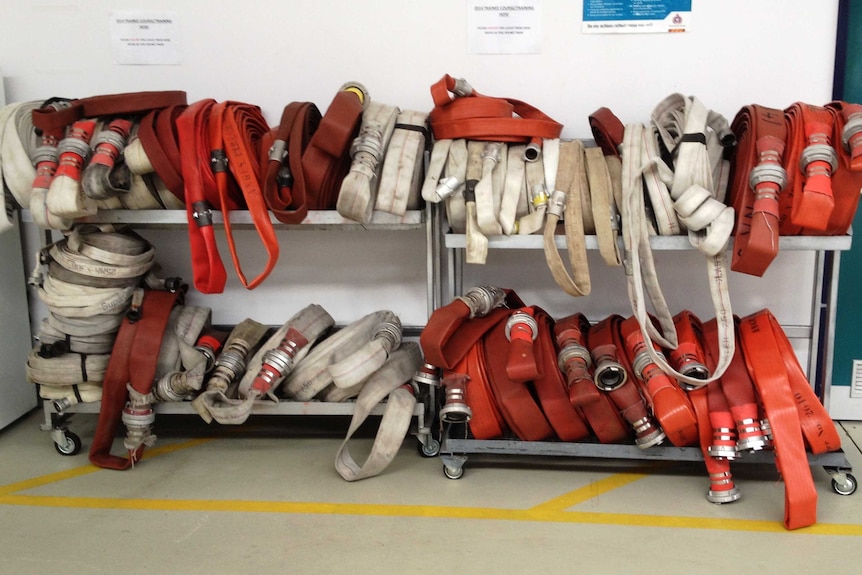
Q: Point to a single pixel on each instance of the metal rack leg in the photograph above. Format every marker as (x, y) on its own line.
(429, 446)
(65, 442)
(843, 482)
(453, 465)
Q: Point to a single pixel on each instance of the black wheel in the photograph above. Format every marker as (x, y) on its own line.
(71, 445)
(428, 448)
(453, 472)
(848, 487)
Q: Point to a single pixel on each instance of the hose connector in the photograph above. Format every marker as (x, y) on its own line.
(448, 186)
(427, 375)
(482, 299)
(609, 373)
(533, 150)
(229, 365)
(722, 489)
(277, 363)
(455, 408)
(751, 436)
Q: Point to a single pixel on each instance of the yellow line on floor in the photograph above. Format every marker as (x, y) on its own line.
(585, 493)
(87, 469)
(46, 479)
(554, 510)
(428, 511)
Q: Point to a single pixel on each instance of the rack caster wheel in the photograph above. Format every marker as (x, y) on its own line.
(70, 445)
(453, 472)
(428, 448)
(846, 487)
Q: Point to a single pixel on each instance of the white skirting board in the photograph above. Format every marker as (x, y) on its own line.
(843, 407)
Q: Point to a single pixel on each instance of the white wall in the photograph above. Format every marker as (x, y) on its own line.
(771, 52)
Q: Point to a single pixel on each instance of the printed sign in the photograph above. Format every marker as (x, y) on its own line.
(504, 28)
(145, 38)
(636, 16)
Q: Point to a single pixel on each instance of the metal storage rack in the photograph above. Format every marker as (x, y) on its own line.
(57, 418)
(457, 444)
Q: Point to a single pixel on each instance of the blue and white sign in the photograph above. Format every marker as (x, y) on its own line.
(636, 16)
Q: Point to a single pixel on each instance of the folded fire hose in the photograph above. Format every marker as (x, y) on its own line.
(225, 377)
(501, 377)
(89, 283)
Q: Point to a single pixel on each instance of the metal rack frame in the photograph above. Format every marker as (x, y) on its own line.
(67, 442)
(820, 333)
(57, 418)
(454, 454)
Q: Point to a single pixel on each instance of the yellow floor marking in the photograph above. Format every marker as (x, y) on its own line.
(46, 479)
(429, 511)
(87, 469)
(164, 449)
(585, 493)
(554, 510)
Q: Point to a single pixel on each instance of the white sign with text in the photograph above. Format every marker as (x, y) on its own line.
(145, 38)
(504, 28)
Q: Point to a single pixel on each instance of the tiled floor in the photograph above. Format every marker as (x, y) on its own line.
(265, 498)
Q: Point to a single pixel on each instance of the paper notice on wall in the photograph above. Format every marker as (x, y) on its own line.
(504, 27)
(636, 16)
(145, 38)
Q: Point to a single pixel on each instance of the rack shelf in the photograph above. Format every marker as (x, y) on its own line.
(669, 243)
(57, 417)
(457, 445)
(454, 453)
(68, 443)
(316, 219)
